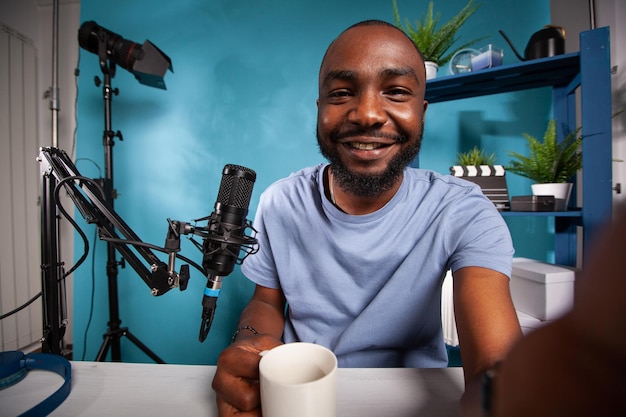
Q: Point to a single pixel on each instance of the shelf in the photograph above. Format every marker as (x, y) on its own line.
(586, 73)
(559, 70)
(569, 213)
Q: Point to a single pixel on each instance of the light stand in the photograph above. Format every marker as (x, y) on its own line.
(148, 64)
(114, 332)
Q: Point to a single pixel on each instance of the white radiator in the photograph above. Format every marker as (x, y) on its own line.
(448, 322)
(20, 254)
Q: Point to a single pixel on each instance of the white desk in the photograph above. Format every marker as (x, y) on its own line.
(129, 389)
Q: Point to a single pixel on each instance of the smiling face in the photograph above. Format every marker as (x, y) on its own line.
(370, 108)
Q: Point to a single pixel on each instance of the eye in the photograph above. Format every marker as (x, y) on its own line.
(399, 93)
(339, 95)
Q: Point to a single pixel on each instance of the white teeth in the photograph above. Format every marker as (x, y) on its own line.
(365, 146)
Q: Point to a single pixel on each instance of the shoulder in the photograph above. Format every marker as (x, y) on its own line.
(459, 202)
(436, 184)
(302, 183)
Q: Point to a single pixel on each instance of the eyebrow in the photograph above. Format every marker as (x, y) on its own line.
(386, 73)
(340, 75)
(399, 72)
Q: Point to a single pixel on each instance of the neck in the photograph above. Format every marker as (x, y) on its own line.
(357, 205)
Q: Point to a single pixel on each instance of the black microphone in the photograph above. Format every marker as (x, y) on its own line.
(226, 236)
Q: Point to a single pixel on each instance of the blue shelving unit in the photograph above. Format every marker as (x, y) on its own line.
(587, 71)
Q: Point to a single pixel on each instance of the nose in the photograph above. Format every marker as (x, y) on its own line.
(368, 110)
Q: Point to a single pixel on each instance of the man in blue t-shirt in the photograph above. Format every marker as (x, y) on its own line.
(355, 251)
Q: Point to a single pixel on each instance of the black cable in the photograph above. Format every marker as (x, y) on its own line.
(85, 245)
(94, 163)
(72, 221)
(93, 292)
(86, 251)
(74, 134)
(78, 263)
(22, 307)
(109, 239)
(93, 274)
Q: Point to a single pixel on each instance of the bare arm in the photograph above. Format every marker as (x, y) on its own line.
(236, 381)
(574, 366)
(486, 320)
(265, 312)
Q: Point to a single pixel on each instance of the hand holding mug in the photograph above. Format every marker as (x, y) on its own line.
(236, 381)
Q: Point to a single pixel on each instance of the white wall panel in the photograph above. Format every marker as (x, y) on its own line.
(20, 277)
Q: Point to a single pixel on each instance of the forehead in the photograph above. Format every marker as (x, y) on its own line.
(371, 47)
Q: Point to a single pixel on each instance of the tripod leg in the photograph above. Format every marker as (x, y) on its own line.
(104, 349)
(143, 347)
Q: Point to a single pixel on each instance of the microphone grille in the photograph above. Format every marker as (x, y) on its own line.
(236, 186)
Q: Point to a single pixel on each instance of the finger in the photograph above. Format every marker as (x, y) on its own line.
(242, 358)
(258, 343)
(225, 409)
(236, 380)
(240, 361)
(242, 393)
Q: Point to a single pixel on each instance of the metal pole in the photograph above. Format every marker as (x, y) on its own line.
(110, 193)
(54, 90)
(592, 14)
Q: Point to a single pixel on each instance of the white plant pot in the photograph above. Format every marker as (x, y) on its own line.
(560, 191)
(431, 69)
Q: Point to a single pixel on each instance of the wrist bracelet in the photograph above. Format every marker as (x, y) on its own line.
(250, 328)
(488, 380)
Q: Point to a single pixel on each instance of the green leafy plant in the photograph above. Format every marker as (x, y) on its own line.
(435, 41)
(475, 157)
(550, 161)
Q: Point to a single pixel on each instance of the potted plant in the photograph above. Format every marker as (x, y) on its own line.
(551, 164)
(435, 42)
(475, 157)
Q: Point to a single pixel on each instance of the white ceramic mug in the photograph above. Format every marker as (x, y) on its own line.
(298, 380)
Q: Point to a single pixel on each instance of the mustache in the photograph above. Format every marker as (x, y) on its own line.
(336, 136)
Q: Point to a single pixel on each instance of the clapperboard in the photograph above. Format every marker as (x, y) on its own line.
(490, 178)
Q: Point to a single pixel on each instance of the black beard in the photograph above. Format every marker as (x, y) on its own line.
(369, 185)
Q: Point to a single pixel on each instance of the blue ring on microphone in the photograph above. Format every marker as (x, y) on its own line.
(210, 292)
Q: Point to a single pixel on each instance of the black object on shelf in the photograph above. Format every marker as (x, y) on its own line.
(532, 203)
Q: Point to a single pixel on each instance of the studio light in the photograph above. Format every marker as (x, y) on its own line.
(147, 62)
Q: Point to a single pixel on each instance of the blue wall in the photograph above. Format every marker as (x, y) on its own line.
(243, 91)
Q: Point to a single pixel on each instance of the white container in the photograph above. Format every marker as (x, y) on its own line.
(541, 290)
(431, 69)
(488, 57)
(529, 323)
(561, 192)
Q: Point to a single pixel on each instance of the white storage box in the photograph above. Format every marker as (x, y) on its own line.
(529, 323)
(542, 290)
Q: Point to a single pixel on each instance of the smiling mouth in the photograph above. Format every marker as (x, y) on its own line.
(366, 146)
